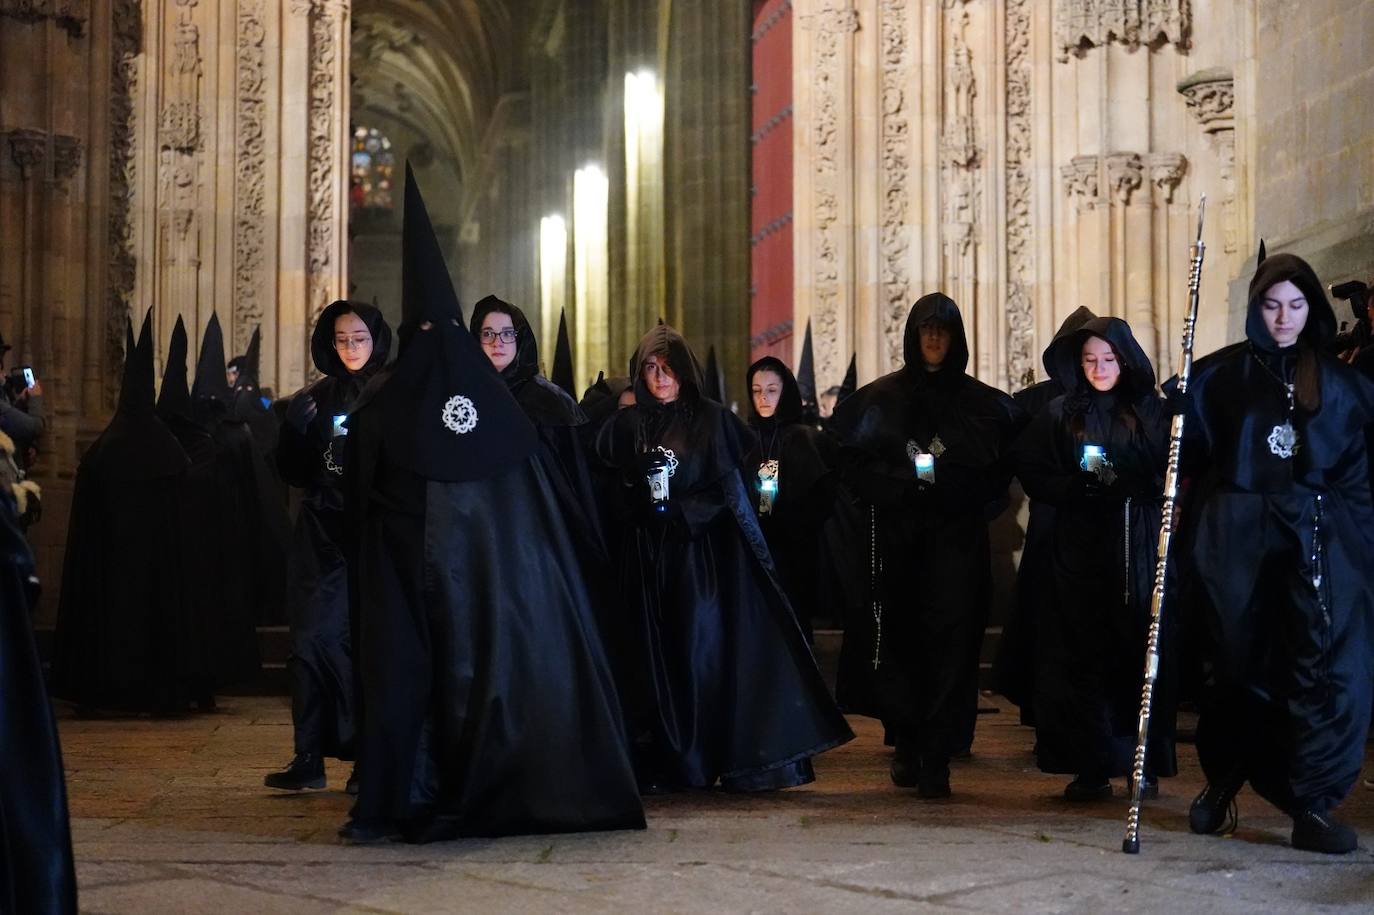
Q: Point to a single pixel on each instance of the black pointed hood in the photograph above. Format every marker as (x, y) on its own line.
(1137, 372)
(562, 372)
(1076, 319)
(174, 400)
(250, 363)
(1261, 255)
(790, 408)
(664, 339)
(210, 394)
(850, 384)
(935, 308)
(326, 357)
(446, 414)
(806, 371)
(1320, 329)
(136, 389)
(714, 388)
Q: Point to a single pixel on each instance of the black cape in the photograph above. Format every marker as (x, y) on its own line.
(927, 601)
(490, 707)
(323, 695)
(795, 516)
(1090, 641)
(1014, 666)
(122, 638)
(1289, 658)
(36, 872)
(721, 685)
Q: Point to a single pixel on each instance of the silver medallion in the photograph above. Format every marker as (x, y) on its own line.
(1283, 440)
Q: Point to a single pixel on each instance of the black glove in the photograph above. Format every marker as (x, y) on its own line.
(1084, 486)
(1179, 403)
(301, 412)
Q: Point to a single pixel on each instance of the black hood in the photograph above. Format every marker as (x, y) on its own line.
(602, 399)
(174, 400)
(1065, 355)
(210, 391)
(446, 414)
(250, 363)
(525, 365)
(136, 389)
(562, 372)
(663, 339)
(714, 387)
(1320, 329)
(806, 371)
(136, 445)
(935, 308)
(789, 409)
(322, 350)
(1080, 316)
(850, 384)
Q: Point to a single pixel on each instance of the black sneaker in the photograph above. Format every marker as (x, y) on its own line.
(1213, 811)
(1317, 831)
(933, 781)
(1088, 788)
(305, 771)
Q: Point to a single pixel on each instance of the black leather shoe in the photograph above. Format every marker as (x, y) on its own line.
(933, 782)
(1317, 831)
(305, 771)
(1088, 788)
(355, 833)
(351, 788)
(906, 773)
(1213, 811)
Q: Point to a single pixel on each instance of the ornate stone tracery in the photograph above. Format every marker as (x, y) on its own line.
(249, 171)
(1020, 306)
(896, 140)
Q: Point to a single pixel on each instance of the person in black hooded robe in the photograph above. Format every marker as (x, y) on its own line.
(1280, 534)
(1090, 641)
(349, 345)
(793, 483)
(911, 657)
(36, 871)
(489, 704)
(722, 686)
(1014, 666)
(122, 640)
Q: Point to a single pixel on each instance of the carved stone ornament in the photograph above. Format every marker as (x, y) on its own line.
(1020, 309)
(895, 239)
(1211, 98)
(1080, 180)
(1125, 174)
(70, 15)
(28, 148)
(126, 32)
(1166, 173)
(66, 156)
(1086, 24)
(250, 210)
(179, 126)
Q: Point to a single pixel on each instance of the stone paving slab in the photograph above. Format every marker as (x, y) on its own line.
(171, 816)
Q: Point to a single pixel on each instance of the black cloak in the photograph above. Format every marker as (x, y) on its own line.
(1279, 542)
(799, 459)
(1014, 668)
(1090, 640)
(323, 695)
(121, 639)
(36, 872)
(926, 603)
(491, 709)
(721, 685)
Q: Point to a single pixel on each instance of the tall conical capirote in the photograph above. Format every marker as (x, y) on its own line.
(210, 385)
(806, 371)
(175, 397)
(851, 378)
(562, 372)
(427, 292)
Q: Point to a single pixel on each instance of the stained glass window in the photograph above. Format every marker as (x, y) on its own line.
(372, 171)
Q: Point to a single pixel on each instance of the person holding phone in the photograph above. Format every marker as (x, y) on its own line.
(21, 410)
(1095, 455)
(349, 346)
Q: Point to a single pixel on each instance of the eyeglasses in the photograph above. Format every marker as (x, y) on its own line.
(506, 336)
(355, 342)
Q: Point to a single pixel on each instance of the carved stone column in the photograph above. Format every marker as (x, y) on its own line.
(1166, 171)
(1211, 98)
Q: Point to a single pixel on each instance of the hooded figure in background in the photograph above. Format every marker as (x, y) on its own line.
(719, 680)
(1014, 667)
(271, 537)
(349, 346)
(490, 708)
(123, 639)
(1280, 531)
(1095, 455)
(36, 872)
(925, 448)
(793, 485)
(562, 372)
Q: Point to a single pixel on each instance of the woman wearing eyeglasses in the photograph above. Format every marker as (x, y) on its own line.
(349, 345)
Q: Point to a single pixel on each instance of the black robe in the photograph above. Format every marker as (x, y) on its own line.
(1090, 641)
(722, 686)
(1278, 548)
(36, 872)
(323, 691)
(910, 657)
(794, 524)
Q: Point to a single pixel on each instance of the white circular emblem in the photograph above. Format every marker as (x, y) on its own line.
(671, 458)
(460, 416)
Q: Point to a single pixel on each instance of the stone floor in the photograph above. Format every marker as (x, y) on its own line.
(170, 816)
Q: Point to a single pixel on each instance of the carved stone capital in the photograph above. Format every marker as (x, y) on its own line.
(1086, 24)
(1166, 173)
(28, 147)
(66, 156)
(832, 20)
(1080, 181)
(70, 15)
(1211, 97)
(1125, 175)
